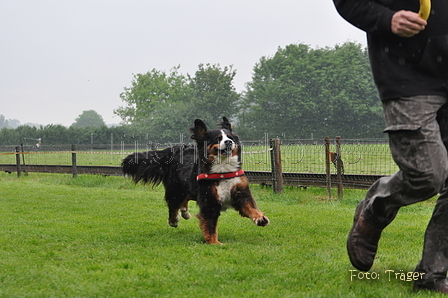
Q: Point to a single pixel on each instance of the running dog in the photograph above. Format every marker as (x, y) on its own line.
(208, 172)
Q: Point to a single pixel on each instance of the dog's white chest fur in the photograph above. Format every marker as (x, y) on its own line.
(224, 190)
(225, 164)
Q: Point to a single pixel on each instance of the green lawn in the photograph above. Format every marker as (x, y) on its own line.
(96, 236)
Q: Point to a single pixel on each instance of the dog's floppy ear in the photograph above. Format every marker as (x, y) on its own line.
(199, 130)
(225, 124)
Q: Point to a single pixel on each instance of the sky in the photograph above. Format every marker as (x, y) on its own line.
(59, 58)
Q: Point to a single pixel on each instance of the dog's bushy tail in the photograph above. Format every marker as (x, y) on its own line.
(149, 167)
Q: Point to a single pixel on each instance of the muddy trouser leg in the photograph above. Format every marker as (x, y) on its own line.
(434, 262)
(416, 145)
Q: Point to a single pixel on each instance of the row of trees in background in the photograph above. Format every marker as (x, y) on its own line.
(59, 134)
(87, 118)
(87, 127)
(297, 93)
(8, 123)
(165, 104)
(302, 91)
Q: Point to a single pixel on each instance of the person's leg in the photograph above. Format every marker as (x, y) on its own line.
(434, 262)
(417, 148)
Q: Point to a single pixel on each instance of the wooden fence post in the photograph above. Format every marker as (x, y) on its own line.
(327, 165)
(339, 167)
(19, 168)
(276, 164)
(23, 159)
(74, 170)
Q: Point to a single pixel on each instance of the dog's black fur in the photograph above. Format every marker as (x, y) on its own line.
(177, 168)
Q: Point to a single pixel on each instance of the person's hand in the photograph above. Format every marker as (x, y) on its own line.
(407, 23)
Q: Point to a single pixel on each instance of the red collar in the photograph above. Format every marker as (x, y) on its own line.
(219, 176)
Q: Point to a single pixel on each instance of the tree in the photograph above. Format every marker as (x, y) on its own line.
(3, 122)
(302, 91)
(150, 91)
(166, 104)
(213, 92)
(89, 118)
(10, 123)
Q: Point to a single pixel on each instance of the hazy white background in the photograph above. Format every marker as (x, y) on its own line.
(61, 57)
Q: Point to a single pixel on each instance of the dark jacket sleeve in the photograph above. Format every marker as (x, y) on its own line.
(370, 16)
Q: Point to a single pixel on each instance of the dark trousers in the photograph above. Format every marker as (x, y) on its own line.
(418, 136)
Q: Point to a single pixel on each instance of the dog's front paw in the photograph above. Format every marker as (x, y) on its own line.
(261, 221)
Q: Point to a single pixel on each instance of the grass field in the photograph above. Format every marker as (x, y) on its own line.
(96, 236)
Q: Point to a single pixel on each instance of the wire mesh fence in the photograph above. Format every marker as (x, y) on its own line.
(359, 157)
(87, 155)
(303, 163)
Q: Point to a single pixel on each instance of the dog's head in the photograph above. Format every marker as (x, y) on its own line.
(216, 144)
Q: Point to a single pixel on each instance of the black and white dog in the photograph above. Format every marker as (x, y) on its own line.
(209, 173)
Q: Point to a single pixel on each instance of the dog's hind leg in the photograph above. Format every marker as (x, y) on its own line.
(184, 208)
(175, 201)
(173, 219)
(184, 211)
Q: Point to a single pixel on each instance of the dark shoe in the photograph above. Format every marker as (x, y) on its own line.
(440, 286)
(362, 242)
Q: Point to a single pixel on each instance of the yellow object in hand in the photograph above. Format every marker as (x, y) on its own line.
(425, 9)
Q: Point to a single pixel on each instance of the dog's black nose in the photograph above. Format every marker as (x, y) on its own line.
(228, 143)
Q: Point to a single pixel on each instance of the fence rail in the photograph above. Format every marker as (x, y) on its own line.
(255, 177)
(302, 162)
